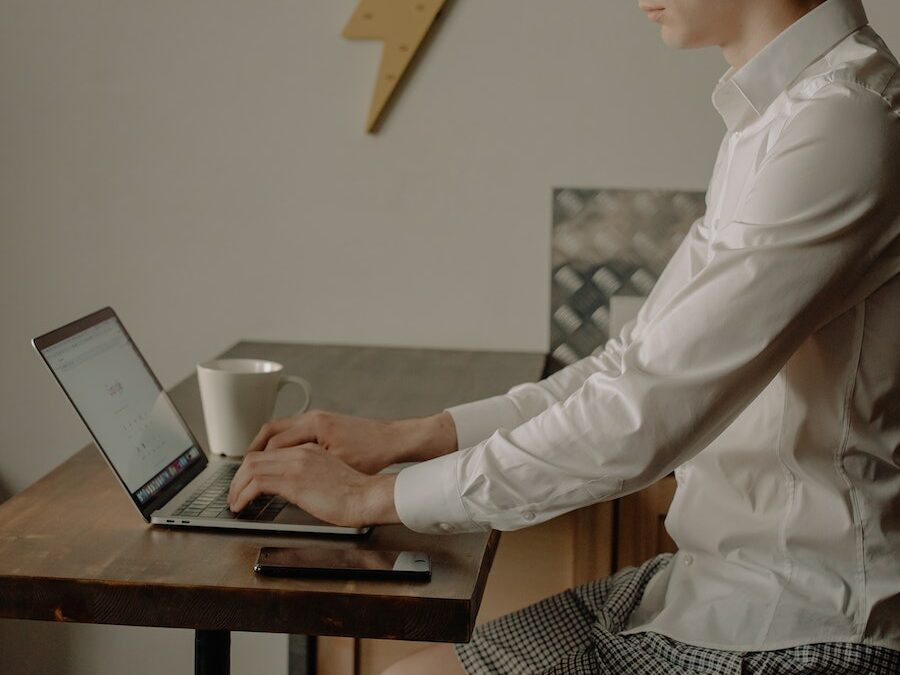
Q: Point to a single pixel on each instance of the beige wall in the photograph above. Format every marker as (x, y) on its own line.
(201, 166)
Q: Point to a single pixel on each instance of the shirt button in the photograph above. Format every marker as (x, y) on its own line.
(688, 559)
(445, 527)
(528, 515)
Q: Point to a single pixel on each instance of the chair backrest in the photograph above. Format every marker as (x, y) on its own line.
(608, 243)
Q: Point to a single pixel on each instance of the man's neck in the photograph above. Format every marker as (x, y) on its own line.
(762, 22)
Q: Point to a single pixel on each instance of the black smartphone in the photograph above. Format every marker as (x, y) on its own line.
(343, 563)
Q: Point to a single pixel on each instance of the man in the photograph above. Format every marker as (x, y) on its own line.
(763, 369)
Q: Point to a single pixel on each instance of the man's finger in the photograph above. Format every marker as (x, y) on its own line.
(296, 435)
(241, 476)
(252, 466)
(259, 485)
(261, 472)
(268, 430)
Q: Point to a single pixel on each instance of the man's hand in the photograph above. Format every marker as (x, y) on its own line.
(320, 461)
(318, 482)
(366, 445)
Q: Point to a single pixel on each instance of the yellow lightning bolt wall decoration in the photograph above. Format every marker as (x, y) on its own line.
(402, 25)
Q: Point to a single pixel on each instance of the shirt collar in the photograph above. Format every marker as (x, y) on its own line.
(743, 94)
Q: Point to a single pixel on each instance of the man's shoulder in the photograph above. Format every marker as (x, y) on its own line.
(861, 65)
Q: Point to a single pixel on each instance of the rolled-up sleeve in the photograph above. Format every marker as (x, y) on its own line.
(818, 211)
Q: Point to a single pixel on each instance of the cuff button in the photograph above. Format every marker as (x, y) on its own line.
(445, 527)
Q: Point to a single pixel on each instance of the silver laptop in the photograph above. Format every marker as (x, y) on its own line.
(145, 441)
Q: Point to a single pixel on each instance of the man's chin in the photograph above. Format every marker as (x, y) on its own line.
(676, 39)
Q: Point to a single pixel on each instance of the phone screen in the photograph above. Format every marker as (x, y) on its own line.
(343, 562)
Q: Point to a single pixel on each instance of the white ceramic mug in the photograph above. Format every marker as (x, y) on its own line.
(238, 397)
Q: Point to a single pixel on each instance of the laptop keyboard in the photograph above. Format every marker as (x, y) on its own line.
(211, 500)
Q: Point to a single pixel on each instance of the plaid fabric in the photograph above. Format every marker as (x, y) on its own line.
(576, 632)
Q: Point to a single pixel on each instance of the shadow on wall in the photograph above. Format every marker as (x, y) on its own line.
(5, 492)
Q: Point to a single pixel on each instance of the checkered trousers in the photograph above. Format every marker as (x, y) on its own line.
(576, 632)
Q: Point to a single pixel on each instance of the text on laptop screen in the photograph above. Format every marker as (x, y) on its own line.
(132, 419)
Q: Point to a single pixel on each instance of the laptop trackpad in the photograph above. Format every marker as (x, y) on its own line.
(296, 516)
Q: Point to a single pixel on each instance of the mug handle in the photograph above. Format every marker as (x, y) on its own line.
(300, 382)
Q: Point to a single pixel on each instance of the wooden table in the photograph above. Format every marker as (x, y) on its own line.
(73, 548)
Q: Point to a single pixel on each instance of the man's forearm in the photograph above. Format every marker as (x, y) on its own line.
(425, 438)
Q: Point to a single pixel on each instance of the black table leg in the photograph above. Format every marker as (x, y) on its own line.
(302, 655)
(212, 652)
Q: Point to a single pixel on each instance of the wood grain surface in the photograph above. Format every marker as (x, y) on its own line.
(73, 548)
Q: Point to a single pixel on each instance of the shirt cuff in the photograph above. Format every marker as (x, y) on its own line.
(478, 420)
(427, 498)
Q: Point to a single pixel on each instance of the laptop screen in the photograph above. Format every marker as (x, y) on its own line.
(120, 401)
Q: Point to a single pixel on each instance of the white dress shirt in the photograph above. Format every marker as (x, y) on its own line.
(763, 368)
